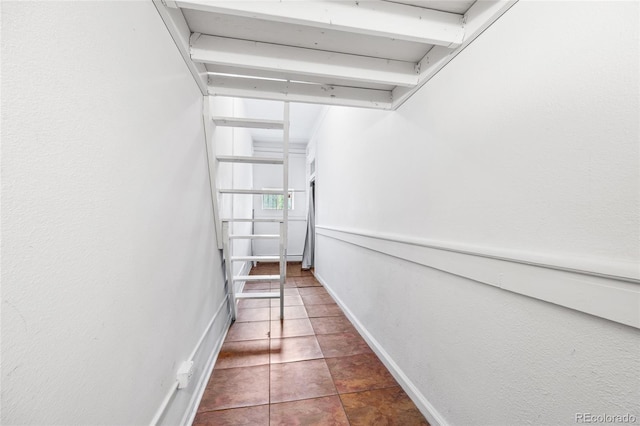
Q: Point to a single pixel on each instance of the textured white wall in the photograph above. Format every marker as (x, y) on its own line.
(529, 140)
(525, 144)
(110, 272)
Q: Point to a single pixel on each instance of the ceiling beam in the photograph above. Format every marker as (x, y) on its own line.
(288, 59)
(299, 92)
(382, 19)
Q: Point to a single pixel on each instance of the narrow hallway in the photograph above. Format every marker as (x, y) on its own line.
(311, 369)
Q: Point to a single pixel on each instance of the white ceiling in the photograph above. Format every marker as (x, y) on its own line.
(364, 53)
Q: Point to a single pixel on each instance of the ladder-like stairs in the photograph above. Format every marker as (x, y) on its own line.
(228, 236)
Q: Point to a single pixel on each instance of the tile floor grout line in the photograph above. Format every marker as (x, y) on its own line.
(304, 399)
(371, 390)
(232, 408)
(333, 381)
(341, 403)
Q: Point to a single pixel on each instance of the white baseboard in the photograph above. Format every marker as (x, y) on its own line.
(182, 405)
(192, 410)
(426, 408)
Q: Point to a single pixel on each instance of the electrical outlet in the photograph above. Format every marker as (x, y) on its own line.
(184, 374)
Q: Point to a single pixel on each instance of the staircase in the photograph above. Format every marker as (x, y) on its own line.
(227, 230)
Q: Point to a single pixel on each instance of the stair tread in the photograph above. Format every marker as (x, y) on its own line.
(256, 277)
(249, 159)
(251, 123)
(254, 236)
(256, 258)
(250, 191)
(254, 220)
(270, 295)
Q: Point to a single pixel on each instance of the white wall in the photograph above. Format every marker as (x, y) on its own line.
(515, 168)
(270, 176)
(110, 273)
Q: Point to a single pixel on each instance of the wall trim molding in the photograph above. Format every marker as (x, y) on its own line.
(625, 271)
(607, 291)
(426, 408)
(170, 406)
(192, 409)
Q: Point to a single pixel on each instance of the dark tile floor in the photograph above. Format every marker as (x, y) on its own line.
(313, 368)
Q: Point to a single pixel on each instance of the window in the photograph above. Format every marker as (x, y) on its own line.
(276, 201)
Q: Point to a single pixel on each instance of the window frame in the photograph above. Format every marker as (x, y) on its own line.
(265, 197)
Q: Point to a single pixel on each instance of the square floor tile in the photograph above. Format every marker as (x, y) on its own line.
(390, 406)
(294, 269)
(294, 300)
(260, 285)
(248, 416)
(329, 325)
(253, 303)
(288, 291)
(291, 328)
(248, 331)
(267, 266)
(253, 314)
(290, 312)
(359, 373)
(318, 299)
(307, 282)
(291, 381)
(244, 353)
(308, 291)
(290, 282)
(317, 412)
(236, 387)
(292, 349)
(317, 311)
(342, 344)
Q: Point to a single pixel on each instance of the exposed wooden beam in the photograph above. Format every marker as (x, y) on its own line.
(478, 18)
(376, 18)
(299, 92)
(274, 57)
